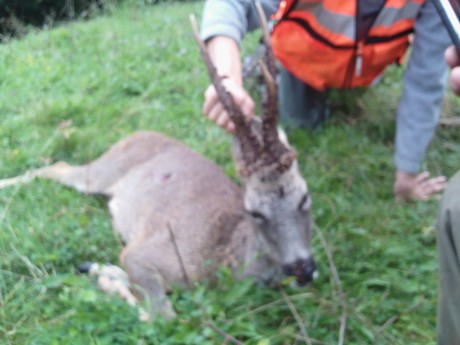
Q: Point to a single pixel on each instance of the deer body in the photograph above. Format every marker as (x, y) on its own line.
(159, 188)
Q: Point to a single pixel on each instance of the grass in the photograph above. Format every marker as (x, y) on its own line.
(70, 92)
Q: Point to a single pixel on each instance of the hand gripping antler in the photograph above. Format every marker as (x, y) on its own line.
(251, 147)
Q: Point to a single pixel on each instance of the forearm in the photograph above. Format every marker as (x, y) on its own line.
(424, 83)
(225, 54)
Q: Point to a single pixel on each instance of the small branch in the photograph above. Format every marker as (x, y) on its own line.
(298, 319)
(387, 338)
(227, 337)
(269, 305)
(450, 121)
(394, 319)
(338, 283)
(181, 262)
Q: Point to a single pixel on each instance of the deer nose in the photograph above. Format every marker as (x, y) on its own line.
(303, 269)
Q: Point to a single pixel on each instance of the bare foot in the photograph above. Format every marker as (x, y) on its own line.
(419, 187)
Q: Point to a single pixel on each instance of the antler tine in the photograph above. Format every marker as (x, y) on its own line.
(269, 56)
(276, 150)
(268, 69)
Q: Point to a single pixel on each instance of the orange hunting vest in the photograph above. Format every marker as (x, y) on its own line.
(320, 42)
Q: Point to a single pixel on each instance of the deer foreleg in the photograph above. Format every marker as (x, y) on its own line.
(143, 273)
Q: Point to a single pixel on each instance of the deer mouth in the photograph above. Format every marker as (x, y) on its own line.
(302, 281)
(303, 270)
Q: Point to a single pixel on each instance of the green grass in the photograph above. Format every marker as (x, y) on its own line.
(70, 92)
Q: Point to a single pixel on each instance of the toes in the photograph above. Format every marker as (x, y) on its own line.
(422, 177)
(434, 186)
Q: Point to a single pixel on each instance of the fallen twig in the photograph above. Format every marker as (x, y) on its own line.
(179, 257)
(227, 337)
(449, 121)
(387, 338)
(298, 319)
(394, 319)
(338, 283)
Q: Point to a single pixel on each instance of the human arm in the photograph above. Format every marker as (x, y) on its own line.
(423, 91)
(419, 109)
(224, 24)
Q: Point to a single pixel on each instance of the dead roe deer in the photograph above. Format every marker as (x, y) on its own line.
(176, 211)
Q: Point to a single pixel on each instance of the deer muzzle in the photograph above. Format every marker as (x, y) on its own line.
(304, 270)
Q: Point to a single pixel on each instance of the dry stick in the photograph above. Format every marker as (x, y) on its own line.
(338, 283)
(450, 121)
(298, 319)
(298, 337)
(388, 338)
(269, 305)
(179, 257)
(395, 318)
(227, 337)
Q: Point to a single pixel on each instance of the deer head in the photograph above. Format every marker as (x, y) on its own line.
(276, 196)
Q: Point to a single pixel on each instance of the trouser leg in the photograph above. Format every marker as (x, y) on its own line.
(300, 105)
(448, 241)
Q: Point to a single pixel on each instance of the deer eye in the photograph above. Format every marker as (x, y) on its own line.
(305, 203)
(257, 216)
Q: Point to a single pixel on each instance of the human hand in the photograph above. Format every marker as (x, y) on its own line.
(417, 187)
(453, 60)
(214, 110)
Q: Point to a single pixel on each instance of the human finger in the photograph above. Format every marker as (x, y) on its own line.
(222, 120)
(455, 80)
(210, 99)
(230, 127)
(215, 112)
(451, 57)
(433, 187)
(422, 176)
(241, 97)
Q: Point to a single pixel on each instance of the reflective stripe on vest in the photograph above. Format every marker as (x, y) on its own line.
(316, 40)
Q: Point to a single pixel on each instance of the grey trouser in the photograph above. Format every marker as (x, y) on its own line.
(300, 105)
(448, 238)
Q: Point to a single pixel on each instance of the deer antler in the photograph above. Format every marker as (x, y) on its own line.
(251, 147)
(276, 151)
